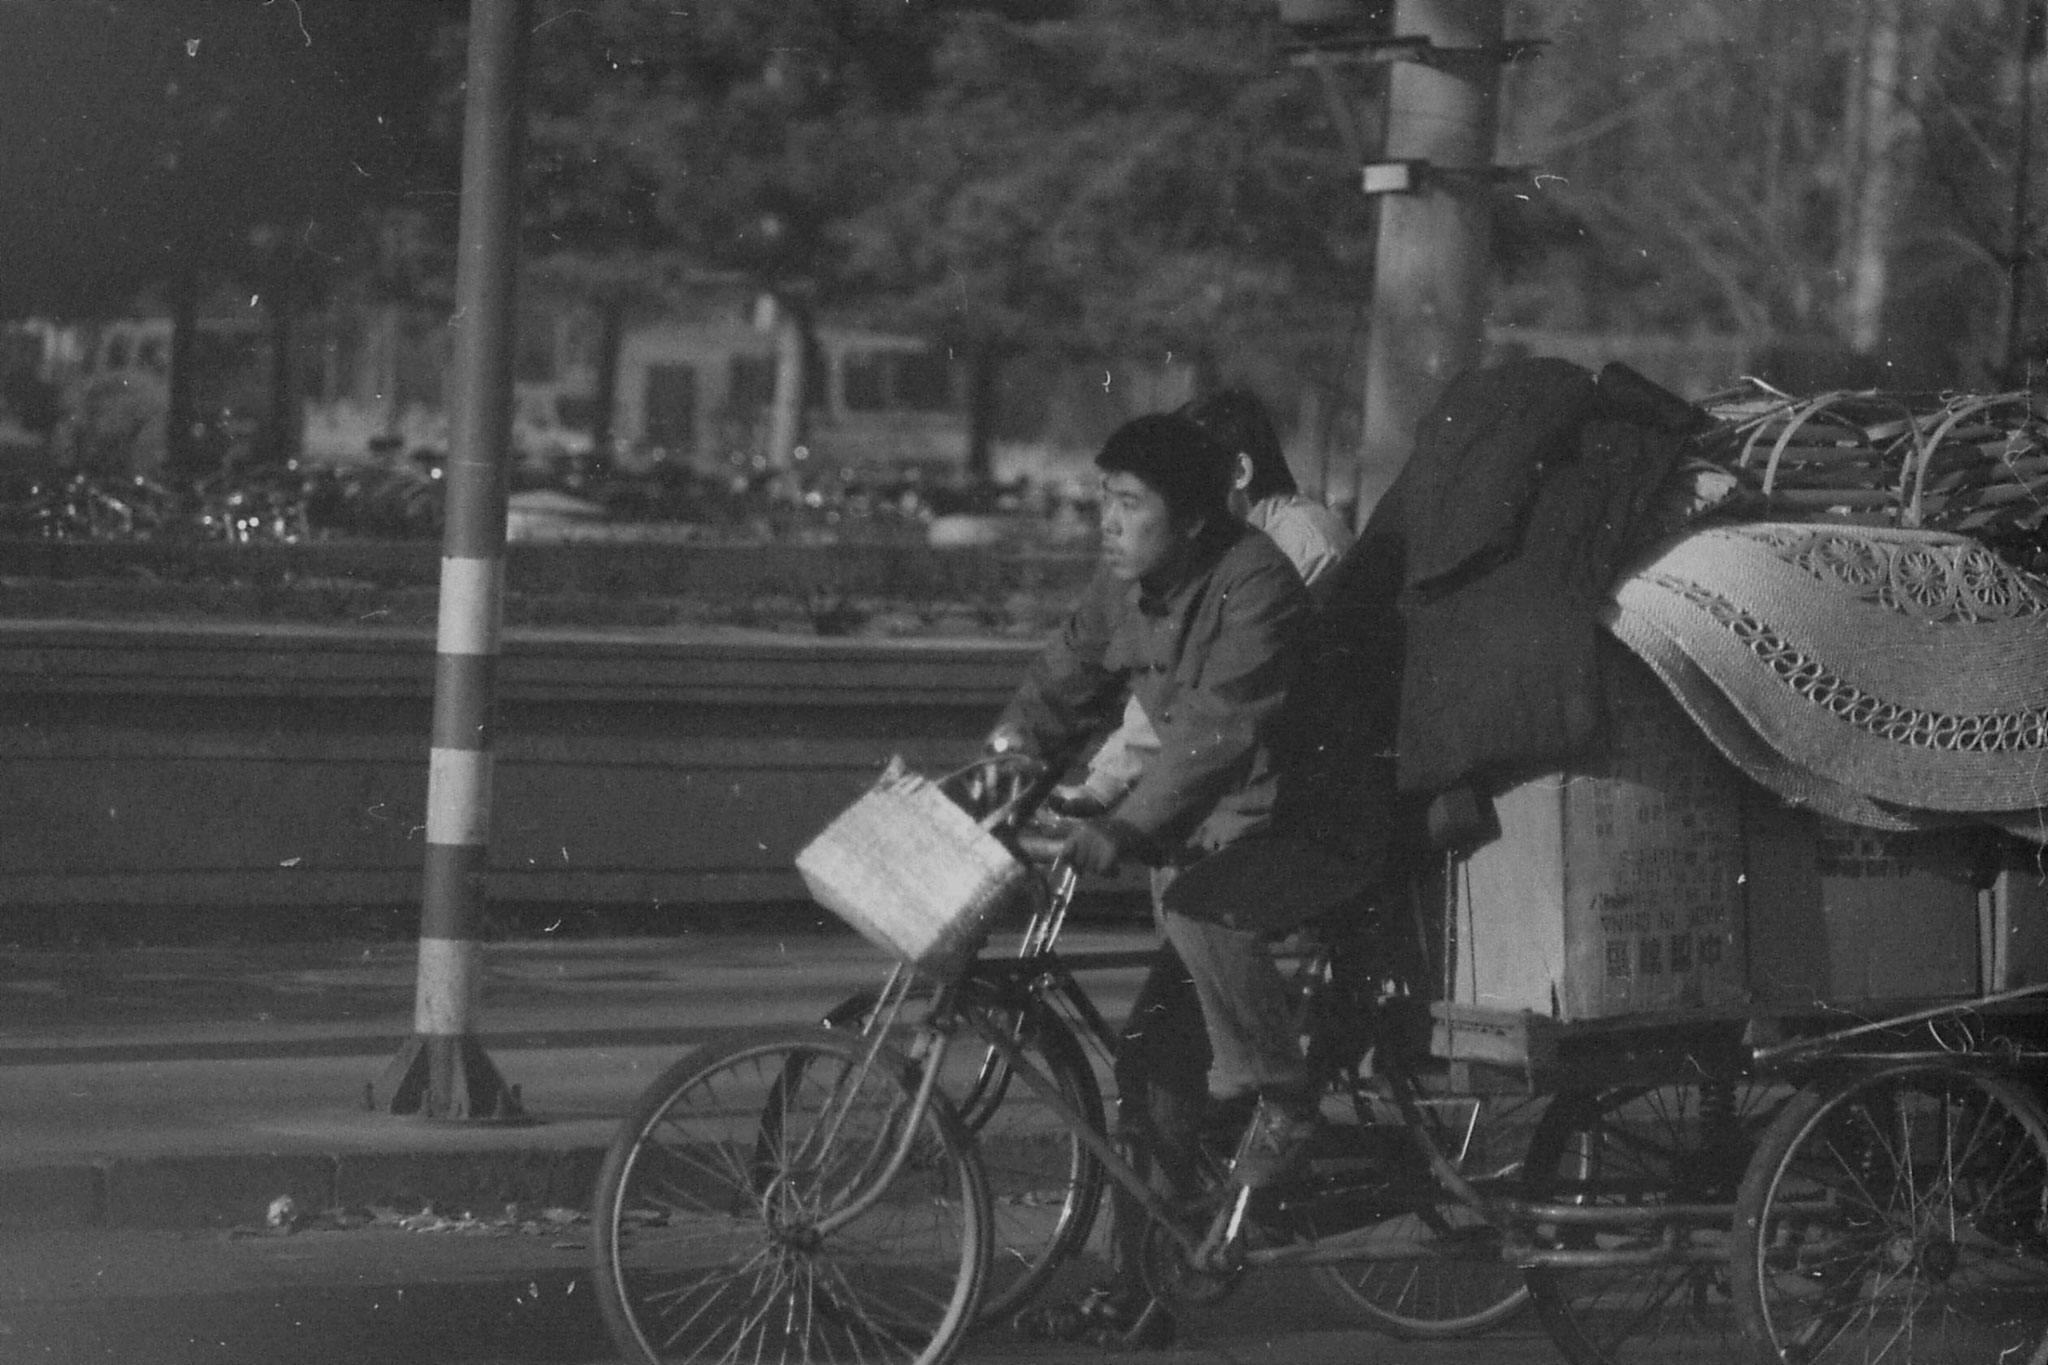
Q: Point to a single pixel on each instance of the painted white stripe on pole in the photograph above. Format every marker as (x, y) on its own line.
(445, 1002)
(470, 592)
(458, 796)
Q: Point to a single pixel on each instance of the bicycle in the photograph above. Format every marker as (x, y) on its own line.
(812, 1191)
(1412, 1300)
(1045, 1185)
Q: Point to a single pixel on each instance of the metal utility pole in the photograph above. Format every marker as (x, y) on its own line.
(1430, 273)
(443, 1072)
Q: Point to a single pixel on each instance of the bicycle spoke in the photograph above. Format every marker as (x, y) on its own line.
(710, 1206)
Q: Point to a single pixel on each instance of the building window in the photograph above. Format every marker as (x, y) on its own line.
(866, 377)
(535, 363)
(750, 383)
(577, 412)
(669, 401)
(900, 381)
(924, 381)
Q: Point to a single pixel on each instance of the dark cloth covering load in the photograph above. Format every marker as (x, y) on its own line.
(1531, 485)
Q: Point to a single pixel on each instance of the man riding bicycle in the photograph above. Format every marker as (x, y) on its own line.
(1202, 620)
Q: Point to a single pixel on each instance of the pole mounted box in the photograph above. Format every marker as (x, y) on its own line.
(1394, 177)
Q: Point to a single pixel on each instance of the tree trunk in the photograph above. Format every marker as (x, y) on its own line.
(181, 450)
(611, 338)
(792, 383)
(1875, 174)
(984, 368)
(284, 418)
(2012, 365)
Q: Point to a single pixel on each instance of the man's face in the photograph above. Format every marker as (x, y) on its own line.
(1137, 534)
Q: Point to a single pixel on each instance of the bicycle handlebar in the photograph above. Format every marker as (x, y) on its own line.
(1006, 792)
(1041, 846)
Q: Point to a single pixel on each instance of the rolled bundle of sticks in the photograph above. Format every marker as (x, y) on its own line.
(1974, 463)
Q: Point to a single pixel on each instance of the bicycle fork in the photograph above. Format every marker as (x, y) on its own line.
(931, 1054)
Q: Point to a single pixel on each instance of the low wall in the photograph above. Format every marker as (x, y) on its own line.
(573, 568)
(287, 766)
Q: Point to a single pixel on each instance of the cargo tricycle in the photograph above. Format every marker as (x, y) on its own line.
(1804, 1183)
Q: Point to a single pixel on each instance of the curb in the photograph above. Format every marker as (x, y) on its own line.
(176, 1192)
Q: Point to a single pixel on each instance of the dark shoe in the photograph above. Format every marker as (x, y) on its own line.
(1076, 802)
(1115, 1315)
(1051, 1322)
(1277, 1143)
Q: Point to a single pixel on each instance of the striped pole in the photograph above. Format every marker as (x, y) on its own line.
(442, 1072)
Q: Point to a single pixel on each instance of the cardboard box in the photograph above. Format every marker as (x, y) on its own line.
(1655, 880)
(1841, 915)
(1617, 888)
(2016, 928)
(1514, 1039)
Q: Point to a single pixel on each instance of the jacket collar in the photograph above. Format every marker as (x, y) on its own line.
(1158, 590)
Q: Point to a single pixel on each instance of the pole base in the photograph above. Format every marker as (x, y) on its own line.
(447, 1076)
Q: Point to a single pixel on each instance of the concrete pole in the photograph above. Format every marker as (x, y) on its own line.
(1434, 250)
(792, 383)
(443, 1071)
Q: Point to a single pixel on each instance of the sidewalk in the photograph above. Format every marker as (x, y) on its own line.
(191, 1087)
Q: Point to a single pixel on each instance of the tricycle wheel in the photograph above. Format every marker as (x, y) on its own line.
(1662, 1295)
(1898, 1216)
(1483, 1139)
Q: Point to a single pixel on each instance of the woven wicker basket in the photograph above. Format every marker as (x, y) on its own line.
(913, 872)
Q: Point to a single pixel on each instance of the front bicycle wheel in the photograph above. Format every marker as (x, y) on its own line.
(1468, 1289)
(1045, 1185)
(712, 1237)
(1901, 1216)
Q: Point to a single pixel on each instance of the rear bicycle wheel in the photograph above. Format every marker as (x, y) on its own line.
(1045, 1185)
(709, 1226)
(1897, 1217)
(1469, 1289)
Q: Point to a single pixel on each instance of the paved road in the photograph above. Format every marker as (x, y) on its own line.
(494, 1296)
(176, 1069)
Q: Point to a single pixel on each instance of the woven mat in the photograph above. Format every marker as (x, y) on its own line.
(1891, 678)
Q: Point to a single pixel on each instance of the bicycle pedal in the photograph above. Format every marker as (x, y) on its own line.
(1052, 1322)
(1105, 1315)
(1155, 1330)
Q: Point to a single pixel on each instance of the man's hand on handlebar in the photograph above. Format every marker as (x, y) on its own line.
(1008, 771)
(1097, 847)
(1077, 801)
(1004, 741)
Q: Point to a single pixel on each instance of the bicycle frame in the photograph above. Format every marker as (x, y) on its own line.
(867, 1192)
(1352, 1246)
